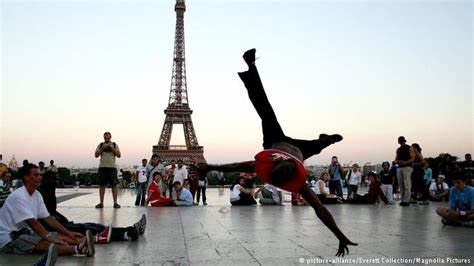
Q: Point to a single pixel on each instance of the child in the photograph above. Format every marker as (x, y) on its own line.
(154, 195)
(370, 197)
(387, 178)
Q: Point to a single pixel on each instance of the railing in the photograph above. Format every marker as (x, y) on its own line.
(178, 147)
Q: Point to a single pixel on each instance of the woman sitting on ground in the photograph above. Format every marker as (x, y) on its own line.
(155, 197)
(372, 196)
(323, 192)
(241, 196)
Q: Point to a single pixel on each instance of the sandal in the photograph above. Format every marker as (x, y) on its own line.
(99, 206)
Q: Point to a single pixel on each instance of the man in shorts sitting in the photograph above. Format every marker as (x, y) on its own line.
(22, 233)
(461, 201)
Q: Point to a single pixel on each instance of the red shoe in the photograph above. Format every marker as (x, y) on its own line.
(104, 237)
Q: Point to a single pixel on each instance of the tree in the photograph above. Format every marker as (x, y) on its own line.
(64, 176)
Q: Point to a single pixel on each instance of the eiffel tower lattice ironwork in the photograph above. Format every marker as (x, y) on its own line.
(178, 111)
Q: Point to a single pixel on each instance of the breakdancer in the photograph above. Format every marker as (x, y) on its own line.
(281, 161)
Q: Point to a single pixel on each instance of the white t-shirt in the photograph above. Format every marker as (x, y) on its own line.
(316, 188)
(433, 186)
(180, 174)
(142, 177)
(355, 178)
(18, 207)
(235, 193)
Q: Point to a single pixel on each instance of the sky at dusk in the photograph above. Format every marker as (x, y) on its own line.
(368, 70)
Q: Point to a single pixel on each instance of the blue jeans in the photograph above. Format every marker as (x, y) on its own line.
(335, 187)
(141, 192)
(352, 188)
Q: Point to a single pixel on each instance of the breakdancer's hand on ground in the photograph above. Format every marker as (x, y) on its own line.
(343, 247)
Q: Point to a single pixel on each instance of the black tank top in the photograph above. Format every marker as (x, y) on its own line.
(403, 154)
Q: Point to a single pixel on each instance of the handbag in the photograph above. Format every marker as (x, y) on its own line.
(202, 183)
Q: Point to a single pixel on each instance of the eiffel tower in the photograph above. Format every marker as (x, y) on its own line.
(178, 111)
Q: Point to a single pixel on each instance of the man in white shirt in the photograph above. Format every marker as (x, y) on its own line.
(142, 183)
(53, 168)
(22, 233)
(180, 174)
(439, 190)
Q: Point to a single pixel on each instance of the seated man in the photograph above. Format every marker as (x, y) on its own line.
(5, 178)
(22, 233)
(183, 195)
(154, 194)
(439, 190)
(372, 196)
(102, 234)
(323, 192)
(240, 195)
(461, 201)
(269, 195)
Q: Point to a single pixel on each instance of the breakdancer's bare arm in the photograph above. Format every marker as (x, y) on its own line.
(243, 167)
(325, 216)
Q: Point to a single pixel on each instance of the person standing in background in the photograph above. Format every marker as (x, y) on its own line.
(468, 169)
(419, 191)
(396, 189)
(335, 172)
(107, 151)
(202, 184)
(404, 159)
(387, 178)
(142, 183)
(193, 178)
(52, 168)
(354, 178)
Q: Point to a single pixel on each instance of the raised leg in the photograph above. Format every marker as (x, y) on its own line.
(271, 129)
(312, 147)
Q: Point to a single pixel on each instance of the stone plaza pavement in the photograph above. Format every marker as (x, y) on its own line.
(218, 234)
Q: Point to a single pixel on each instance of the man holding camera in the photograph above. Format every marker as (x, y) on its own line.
(107, 151)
